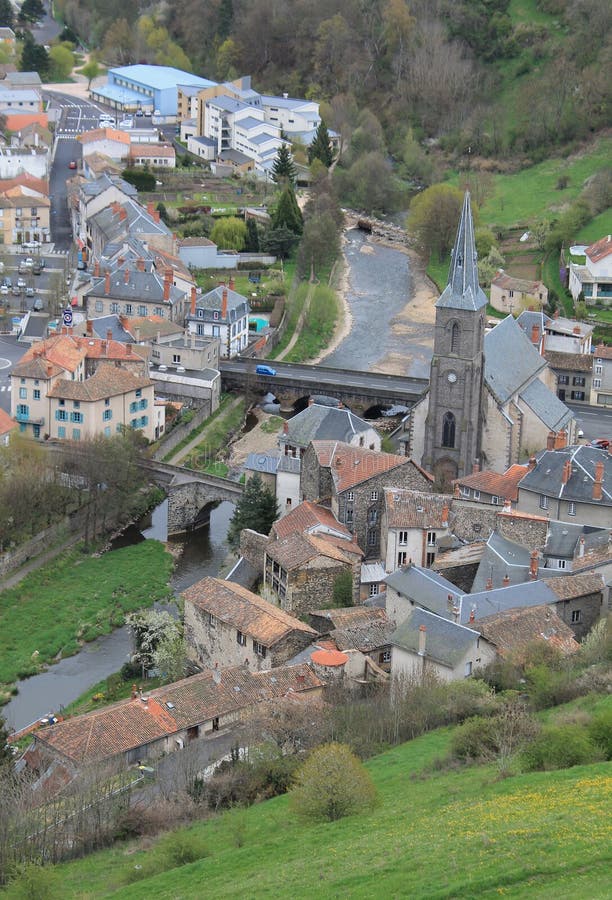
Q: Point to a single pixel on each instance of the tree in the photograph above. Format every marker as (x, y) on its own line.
(257, 509)
(170, 657)
(7, 15)
(141, 179)
(283, 168)
(287, 213)
(321, 147)
(119, 43)
(153, 631)
(229, 233)
(252, 237)
(6, 756)
(34, 57)
(280, 241)
(90, 70)
(320, 244)
(434, 215)
(31, 11)
(61, 60)
(331, 784)
(343, 589)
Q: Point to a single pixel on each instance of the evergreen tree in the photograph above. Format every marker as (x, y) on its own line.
(34, 57)
(252, 237)
(226, 17)
(321, 146)
(7, 16)
(283, 168)
(280, 241)
(256, 509)
(287, 213)
(31, 11)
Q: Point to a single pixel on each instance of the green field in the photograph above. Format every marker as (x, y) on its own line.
(74, 599)
(458, 833)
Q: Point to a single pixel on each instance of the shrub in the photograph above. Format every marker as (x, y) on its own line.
(600, 732)
(559, 747)
(331, 784)
(475, 739)
(181, 848)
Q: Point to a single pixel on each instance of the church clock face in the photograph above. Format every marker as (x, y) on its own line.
(452, 378)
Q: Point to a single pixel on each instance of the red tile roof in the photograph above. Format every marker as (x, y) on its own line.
(353, 465)
(66, 351)
(493, 483)
(414, 509)
(106, 381)
(6, 423)
(307, 517)
(600, 249)
(512, 629)
(329, 658)
(296, 550)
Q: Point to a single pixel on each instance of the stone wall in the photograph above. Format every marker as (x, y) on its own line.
(529, 533)
(312, 585)
(472, 521)
(174, 437)
(252, 547)
(588, 609)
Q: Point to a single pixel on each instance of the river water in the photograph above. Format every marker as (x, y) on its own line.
(203, 554)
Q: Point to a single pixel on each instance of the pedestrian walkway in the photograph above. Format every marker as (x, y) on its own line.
(298, 327)
(39, 561)
(201, 437)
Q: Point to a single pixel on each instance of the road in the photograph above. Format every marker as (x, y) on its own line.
(595, 421)
(10, 353)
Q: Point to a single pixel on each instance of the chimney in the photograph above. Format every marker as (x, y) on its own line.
(422, 640)
(107, 282)
(103, 348)
(472, 616)
(137, 335)
(543, 343)
(507, 507)
(140, 265)
(532, 463)
(310, 401)
(535, 334)
(550, 441)
(598, 483)
(194, 295)
(561, 439)
(475, 467)
(120, 261)
(567, 471)
(506, 580)
(489, 584)
(168, 273)
(232, 283)
(456, 493)
(576, 329)
(89, 327)
(533, 565)
(167, 286)
(285, 427)
(126, 275)
(97, 269)
(128, 349)
(156, 215)
(49, 370)
(109, 335)
(134, 692)
(150, 207)
(122, 214)
(556, 313)
(445, 516)
(581, 547)
(224, 304)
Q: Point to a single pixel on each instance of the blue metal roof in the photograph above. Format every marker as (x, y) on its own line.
(159, 77)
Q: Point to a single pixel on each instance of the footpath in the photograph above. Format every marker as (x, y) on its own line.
(298, 327)
(201, 437)
(39, 561)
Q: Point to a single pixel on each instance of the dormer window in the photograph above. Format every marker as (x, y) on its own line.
(216, 314)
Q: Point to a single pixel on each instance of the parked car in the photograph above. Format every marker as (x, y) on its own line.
(139, 113)
(37, 305)
(38, 266)
(601, 443)
(126, 123)
(72, 164)
(1, 266)
(4, 289)
(7, 281)
(16, 290)
(21, 283)
(31, 245)
(29, 292)
(265, 370)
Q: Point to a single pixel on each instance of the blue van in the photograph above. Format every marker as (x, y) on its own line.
(265, 370)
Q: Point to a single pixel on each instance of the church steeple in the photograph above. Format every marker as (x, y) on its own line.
(462, 290)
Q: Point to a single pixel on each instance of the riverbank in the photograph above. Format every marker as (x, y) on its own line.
(416, 318)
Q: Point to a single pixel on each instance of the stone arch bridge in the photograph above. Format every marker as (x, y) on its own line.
(191, 495)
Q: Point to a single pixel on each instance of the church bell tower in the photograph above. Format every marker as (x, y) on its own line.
(453, 427)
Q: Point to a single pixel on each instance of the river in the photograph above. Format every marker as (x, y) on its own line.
(203, 554)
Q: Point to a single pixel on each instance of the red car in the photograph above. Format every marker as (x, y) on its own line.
(72, 164)
(602, 443)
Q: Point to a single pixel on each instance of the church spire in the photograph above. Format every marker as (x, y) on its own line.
(462, 290)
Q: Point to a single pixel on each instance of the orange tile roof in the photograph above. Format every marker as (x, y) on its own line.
(352, 465)
(129, 724)
(107, 381)
(102, 134)
(305, 517)
(6, 423)
(600, 249)
(298, 549)
(68, 350)
(152, 150)
(414, 509)
(25, 180)
(329, 658)
(513, 629)
(235, 605)
(493, 483)
(17, 121)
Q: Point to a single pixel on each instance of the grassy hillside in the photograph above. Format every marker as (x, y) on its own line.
(434, 834)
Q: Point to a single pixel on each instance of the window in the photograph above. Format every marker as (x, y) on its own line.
(114, 307)
(241, 638)
(431, 538)
(176, 358)
(61, 415)
(563, 379)
(107, 401)
(576, 616)
(142, 310)
(76, 434)
(107, 415)
(212, 621)
(76, 404)
(216, 331)
(61, 431)
(561, 564)
(599, 369)
(465, 492)
(597, 382)
(374, 495)
(216, 314)
(348, 516)
(571, 508)
(579, 381)
(373, 590)
(76, 417)
(36, 394)
(350, 496)
(384, 657)
(402, 558)
(22, 409)
(372, 516)
(577, 395)
(543, 501)
(259, 649)
(403, 538)
(468, 669)
(476, 495)
(371, 537)
(139, 392)
(23, 393)
(454, 347)
(429, 558)
(495, 500)
(159, 312)
(448, 430)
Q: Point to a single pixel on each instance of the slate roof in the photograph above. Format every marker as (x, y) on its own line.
(324, 423)
(262, 462)
(310, 517)
(137, 222)
(353, 465)
(141, 287)
(530, 317)
(572, 362)
(240, 608)
(446, 641)
(488, 482)
(212, 302)
(564, 538)
(130, 724)
(571, 327)
(511, 361)
(462, 290)
(106, 381)
(546, 477)
(513, 629)
(414, 509)
(426, 587)
(291, 464)
(546, 405)
(371, 573)
(366, 636)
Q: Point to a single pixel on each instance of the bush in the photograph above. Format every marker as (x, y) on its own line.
(181, 848)
(331, 784)
(600, 732)
(559, 747)
(475, 739)
(141, 179)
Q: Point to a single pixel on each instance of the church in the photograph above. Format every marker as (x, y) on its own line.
(491, 400)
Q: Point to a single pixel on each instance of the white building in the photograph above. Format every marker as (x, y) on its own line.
(222, 313)
(594, 278)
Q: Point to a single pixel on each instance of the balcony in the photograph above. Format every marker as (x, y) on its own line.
(28, 419)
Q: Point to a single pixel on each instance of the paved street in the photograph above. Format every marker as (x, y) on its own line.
(595, 421)
(10, 353)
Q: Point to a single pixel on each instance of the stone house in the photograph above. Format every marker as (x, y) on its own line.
(601, 392)
(412, 524)
(227, 624)
(426, 644)
(165, 719)
(512, 630)
(300, 570)
(352, 480)
(221, 313)
(490, 487)
(132, 291)
(325, 423)
(510, 295)
(574, 372)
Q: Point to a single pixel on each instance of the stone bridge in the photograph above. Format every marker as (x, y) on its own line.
(191, 495)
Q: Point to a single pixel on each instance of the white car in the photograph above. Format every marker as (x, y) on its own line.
(126, 123)
(4, 289)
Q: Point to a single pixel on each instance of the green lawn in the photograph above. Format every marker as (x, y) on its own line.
(76, 598)
(447, 834)
(596, 228)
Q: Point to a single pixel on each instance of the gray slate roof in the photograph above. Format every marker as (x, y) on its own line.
(511, 361)
(212, 302)
(262, 462)
(462, 290)
(546, 477)
(323, 423)
(141, 287)
(446, 641)
(292, 464)
(546, 405)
